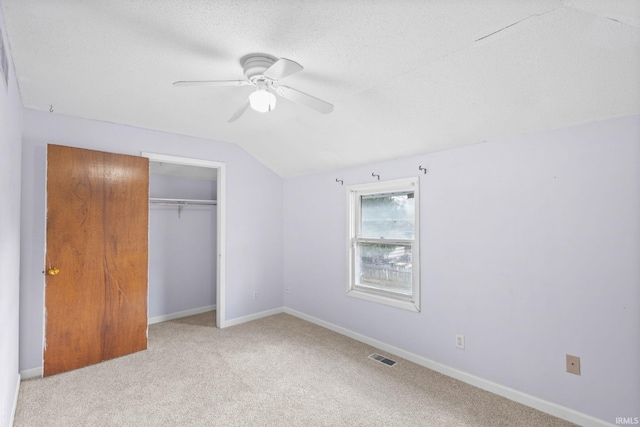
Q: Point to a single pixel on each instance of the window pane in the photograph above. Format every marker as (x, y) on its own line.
(385, 267)
(389, 216)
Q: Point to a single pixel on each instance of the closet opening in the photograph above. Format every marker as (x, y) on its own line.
(186, 237)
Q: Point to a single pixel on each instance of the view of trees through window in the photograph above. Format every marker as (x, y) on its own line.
(387, 265)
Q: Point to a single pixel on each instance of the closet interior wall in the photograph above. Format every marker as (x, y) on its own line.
(182, 243)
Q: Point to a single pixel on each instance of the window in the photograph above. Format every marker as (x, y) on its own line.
(383, 243)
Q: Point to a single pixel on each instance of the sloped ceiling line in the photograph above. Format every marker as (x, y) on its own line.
(406, 77)
(516, 23)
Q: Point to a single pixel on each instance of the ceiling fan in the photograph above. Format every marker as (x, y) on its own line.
(264, 72)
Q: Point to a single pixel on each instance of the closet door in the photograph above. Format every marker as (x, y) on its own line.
(96, 257)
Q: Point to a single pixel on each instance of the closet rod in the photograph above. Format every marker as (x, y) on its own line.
(181, 202)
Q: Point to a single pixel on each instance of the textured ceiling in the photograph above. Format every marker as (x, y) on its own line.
(405, 77)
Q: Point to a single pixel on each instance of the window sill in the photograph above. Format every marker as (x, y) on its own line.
(409, 305)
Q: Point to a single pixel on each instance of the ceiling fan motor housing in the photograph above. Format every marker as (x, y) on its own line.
(255, 66)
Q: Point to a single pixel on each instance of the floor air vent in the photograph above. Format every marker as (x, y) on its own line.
(380, 358)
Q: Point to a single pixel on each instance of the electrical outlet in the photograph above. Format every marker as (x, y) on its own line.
(255, 294)
(460, 341)
(287, 290)
(573, 364)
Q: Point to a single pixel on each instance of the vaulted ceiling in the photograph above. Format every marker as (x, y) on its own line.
(405, 76)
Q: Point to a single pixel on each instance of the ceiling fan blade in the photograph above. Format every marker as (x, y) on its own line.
(239, 111)
(282, 68)
(304, 99)
(213, 83)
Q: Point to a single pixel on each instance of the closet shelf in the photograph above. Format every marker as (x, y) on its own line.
(180, 202)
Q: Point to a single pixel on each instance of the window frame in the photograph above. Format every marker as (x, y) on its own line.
(354, 198)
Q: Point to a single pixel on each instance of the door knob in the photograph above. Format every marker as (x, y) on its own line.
(53, 271)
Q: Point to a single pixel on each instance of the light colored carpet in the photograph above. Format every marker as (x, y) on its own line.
(276, 371)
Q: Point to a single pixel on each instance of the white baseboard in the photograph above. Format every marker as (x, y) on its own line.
(179, 314)
(15, 403)
(495, 388)
(31, 373)
(256, 316)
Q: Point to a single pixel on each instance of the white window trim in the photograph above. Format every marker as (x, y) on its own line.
(353, 193)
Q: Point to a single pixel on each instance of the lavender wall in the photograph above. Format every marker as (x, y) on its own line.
(10, 139)
(530, 248)
(182, 247)
(254, 213)
(177, 187)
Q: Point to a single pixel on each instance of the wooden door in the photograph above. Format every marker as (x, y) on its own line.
(97, 221)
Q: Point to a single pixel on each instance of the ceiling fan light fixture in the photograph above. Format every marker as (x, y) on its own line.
(264, 71)
(262, 100)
